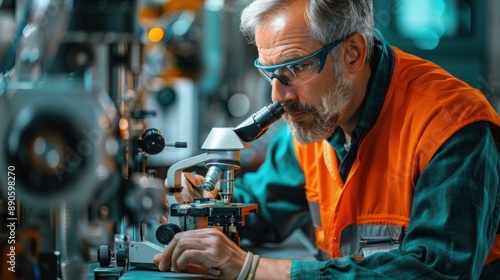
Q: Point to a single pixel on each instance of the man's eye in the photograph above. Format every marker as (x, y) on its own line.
(304, 66)
(298, 67)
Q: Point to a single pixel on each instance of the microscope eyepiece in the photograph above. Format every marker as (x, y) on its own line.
(258, 123)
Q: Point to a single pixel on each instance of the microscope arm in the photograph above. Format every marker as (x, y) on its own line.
(221, 144)
(175, 171)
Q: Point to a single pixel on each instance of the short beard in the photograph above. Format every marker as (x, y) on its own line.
(326, 117)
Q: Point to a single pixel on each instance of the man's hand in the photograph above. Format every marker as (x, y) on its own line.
(198, 251)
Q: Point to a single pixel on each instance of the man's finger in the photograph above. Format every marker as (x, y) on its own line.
(158, 260)
(210, 194)
(187, 250)
(197, 269)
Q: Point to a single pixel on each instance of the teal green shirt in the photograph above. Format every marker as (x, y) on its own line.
(455, 211)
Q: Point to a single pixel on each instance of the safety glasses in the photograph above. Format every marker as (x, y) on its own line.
(297, 72)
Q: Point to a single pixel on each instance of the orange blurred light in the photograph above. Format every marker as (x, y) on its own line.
(155, 35)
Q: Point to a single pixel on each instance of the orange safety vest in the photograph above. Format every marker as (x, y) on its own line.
(424, 106)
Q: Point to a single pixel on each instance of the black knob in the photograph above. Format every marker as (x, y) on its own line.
(165, 233)
(166, 97)
(121, 256)
(104, 256)
(152, 141)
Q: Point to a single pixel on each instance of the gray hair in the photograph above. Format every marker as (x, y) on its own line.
(328, 20)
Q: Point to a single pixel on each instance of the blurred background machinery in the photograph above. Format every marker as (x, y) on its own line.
(206, 79)
(459, 35)
(98, 98)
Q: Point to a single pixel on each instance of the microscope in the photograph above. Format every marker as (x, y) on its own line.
(223, 146)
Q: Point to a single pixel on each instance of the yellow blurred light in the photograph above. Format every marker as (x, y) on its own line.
(155, 35)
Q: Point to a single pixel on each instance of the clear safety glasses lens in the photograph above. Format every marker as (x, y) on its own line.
(297, 72)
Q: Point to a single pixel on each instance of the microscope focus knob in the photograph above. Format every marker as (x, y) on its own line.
(121, 256)
(152, 141)
(165, 233)
(104, 256)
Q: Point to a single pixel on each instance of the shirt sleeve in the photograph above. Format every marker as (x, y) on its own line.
(278, 188)
(453, 223)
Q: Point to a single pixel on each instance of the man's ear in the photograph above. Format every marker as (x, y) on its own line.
(355, 48)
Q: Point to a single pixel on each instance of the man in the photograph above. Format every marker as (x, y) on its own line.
(385, 148)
